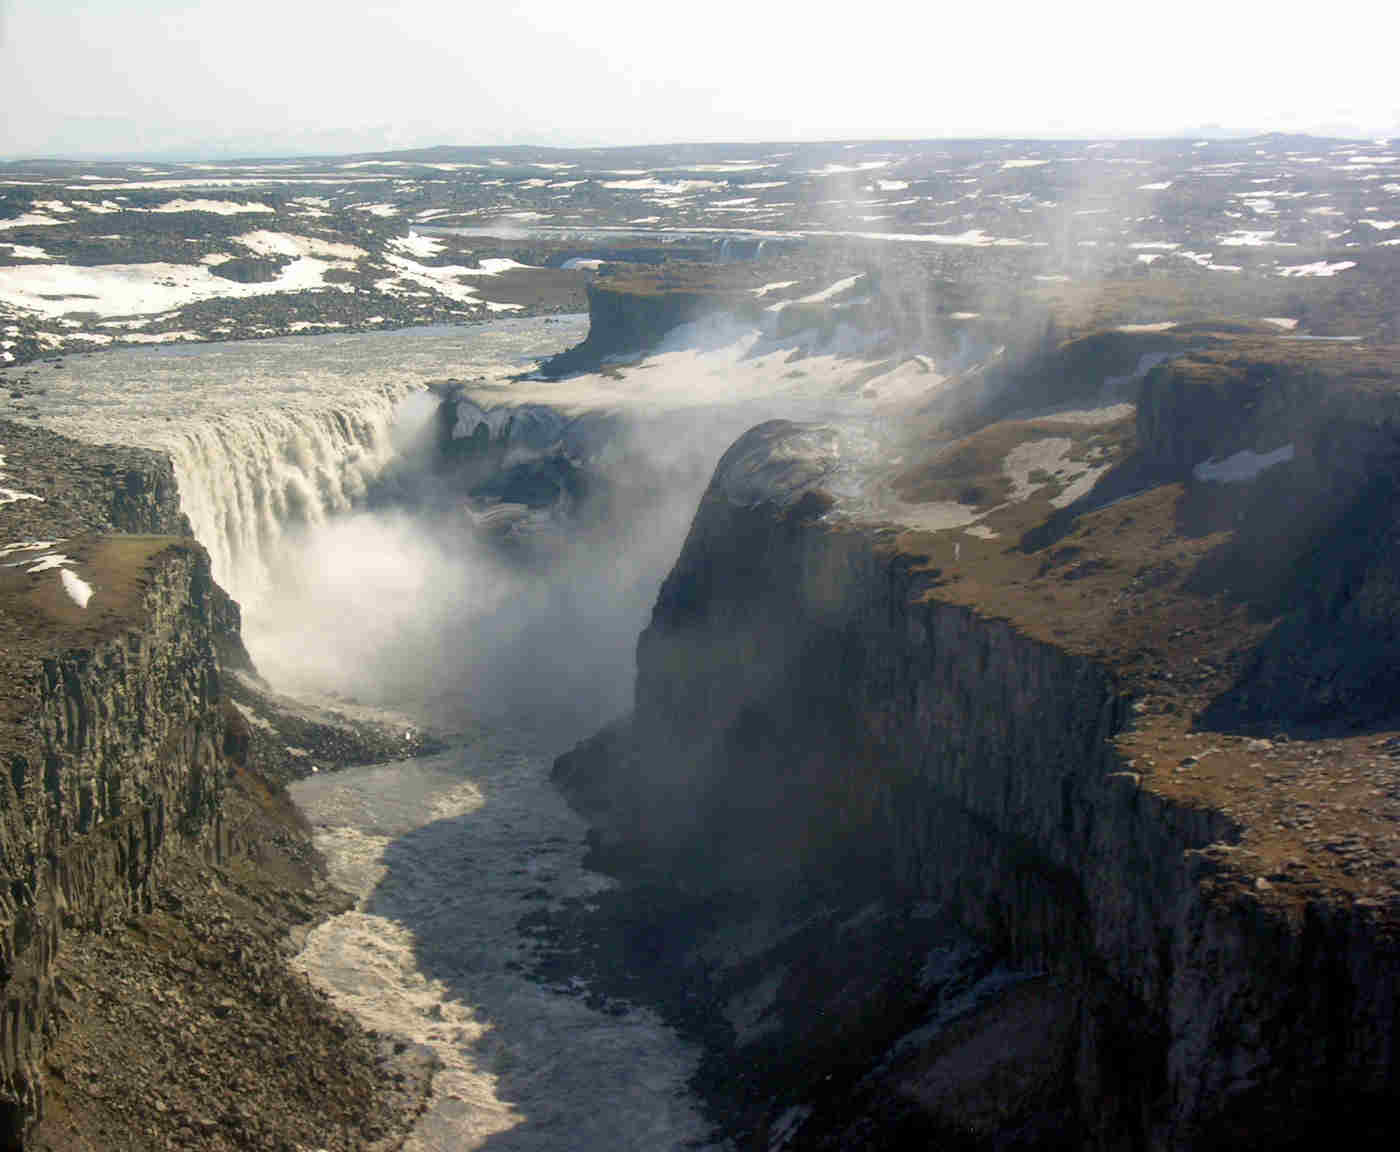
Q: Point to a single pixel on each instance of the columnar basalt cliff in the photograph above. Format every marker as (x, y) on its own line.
(116, 753)
(828, 703)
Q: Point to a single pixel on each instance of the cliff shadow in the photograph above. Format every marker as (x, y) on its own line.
(1331, 665)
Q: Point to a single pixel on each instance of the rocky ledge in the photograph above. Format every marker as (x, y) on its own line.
(1072, 681)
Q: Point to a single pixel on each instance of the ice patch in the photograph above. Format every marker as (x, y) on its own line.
(773, 287)
(78, 589)
(834, 290)
(416, 245)
(583, 264)
(30, 220)
(11, 496)
(1319, 268)
(1243, 467)
(159, 338)
(1283, 322)
(213, 207)
(263, 243)
(137, 289)
(652, 184)
(1247, 239)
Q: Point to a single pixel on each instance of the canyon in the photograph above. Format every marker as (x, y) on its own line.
(1009, 761)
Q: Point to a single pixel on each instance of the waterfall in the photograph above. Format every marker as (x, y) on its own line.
(249, 477)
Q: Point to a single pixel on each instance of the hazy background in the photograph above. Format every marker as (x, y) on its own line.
(127, 77)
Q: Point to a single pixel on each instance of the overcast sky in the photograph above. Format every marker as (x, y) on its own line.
(298, 76)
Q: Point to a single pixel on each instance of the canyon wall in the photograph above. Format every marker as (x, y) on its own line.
(116, 750)
(113, 732)
(812, 716)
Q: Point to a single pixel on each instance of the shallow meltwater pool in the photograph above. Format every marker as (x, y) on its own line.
(445, 855)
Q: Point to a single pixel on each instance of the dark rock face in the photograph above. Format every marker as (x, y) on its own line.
(116, 761)
(249, 269)
(809, 720)
(630, 316)
(88, 487)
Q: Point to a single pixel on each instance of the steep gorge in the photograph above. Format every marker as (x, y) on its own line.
(822, 709)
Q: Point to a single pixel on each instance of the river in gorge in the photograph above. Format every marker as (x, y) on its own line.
(275, 443)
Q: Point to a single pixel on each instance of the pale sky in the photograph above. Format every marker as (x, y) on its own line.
(258, 77)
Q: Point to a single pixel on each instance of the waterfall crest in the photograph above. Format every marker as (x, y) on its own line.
(248, 478)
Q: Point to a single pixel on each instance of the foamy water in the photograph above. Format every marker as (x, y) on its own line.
(445, 856)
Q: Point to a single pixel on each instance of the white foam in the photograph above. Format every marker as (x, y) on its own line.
(26, 252)
(1243, 467)
(773, 287)
(1159, 326)
(1382, 225)
(1160, 186)
(1284, 322)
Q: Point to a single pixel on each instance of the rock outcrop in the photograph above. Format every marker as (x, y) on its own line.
(633, 309)
(115, 745)
(830, 705)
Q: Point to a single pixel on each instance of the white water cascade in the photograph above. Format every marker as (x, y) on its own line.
(270, 437)
(248, 478)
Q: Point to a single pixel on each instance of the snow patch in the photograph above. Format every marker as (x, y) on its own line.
(30, 220)
(213, 207)
(1319, 268)
(416, 245)
(78, 589)
(1243, 467)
